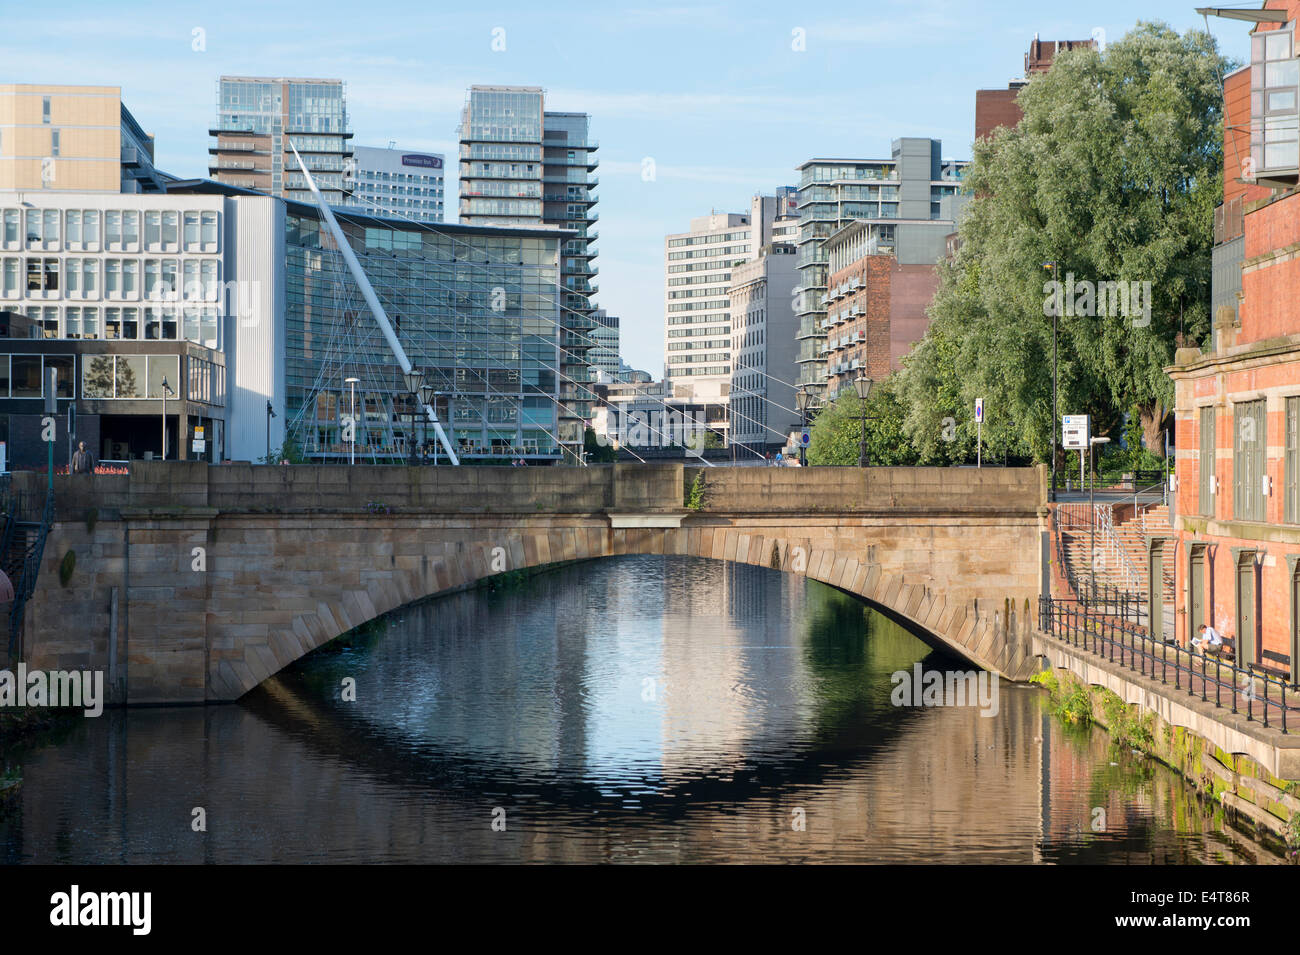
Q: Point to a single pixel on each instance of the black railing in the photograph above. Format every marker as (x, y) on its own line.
(1071, 622)
(1101, 598)
(25, 585)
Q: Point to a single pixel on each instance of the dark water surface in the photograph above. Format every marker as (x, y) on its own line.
(636, 709)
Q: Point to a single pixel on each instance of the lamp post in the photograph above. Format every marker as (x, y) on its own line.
(1092, 507)
(863, 386)
(427, 394)
(801, 401)
(414, 379)
(165, 389)
(270, 413)
(352, 445)
(1056, 311)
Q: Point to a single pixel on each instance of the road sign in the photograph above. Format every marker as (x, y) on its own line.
(1074, 431)
(199, 446)
(979, 410)
(805, 439)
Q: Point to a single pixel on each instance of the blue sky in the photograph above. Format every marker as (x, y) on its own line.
(714, 93)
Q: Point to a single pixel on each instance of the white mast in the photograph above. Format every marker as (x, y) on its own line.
(372, 300)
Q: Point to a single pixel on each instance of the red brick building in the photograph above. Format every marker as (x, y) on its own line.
(875, 310)
(1236, 537)
(994, 108)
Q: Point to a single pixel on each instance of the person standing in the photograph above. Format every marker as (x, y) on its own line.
(82, 462)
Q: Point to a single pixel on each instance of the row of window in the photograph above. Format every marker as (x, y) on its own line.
(112, 278)
(119, 230)
(1249, 447)
(161, 323)
(119, 377)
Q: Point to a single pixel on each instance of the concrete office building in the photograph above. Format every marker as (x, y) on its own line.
(762, 405)
(697, 312)
(231, 298)
(901, 201)
(395, 183)
(521, 165)
(878, 294)
(124, 292)
(258, 118)
(73, 139)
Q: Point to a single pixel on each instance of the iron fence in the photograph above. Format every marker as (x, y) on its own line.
(1265, 696)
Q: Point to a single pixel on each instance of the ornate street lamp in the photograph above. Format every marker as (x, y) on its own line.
(863, 386)
(427, 397)
(414, 379)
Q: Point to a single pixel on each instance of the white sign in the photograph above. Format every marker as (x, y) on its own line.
(1074, 431)
(199, 446)
(979, 410)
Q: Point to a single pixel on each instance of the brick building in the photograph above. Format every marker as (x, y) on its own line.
(1236, 535)
(994, 108)
(877, 295)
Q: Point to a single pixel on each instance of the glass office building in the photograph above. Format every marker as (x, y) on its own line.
(258, 118)
(522, 165)
(476, 309)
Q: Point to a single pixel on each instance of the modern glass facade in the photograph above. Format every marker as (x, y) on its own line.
(521, 165)
(475, 309)
(258, 118)
(887, 193)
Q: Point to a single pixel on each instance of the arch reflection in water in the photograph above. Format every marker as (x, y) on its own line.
(629, 709)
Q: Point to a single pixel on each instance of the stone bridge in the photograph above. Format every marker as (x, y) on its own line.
(195, 583)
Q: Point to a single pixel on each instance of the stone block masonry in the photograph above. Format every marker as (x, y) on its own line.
(223, 575)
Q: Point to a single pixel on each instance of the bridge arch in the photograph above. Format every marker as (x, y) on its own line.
(987, 636)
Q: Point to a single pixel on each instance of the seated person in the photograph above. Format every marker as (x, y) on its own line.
(1208, 639)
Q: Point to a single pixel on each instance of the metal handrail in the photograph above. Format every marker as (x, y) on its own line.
(1110, 541)
(25, 586)
(1139, 652)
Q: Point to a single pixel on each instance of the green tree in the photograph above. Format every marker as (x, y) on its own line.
(837, 431)
(597, 453)
(1113, 173)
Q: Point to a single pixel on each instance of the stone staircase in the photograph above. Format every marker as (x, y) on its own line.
(1131, 534)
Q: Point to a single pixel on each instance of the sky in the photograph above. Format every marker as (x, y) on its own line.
(719, 96)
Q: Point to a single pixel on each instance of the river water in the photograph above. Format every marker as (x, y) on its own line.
(635, 709)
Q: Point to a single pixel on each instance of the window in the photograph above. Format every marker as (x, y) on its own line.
(11, 229)
(1249, 442)
(130, 277)
(112, 278)
(153, 231)
(1291, 462)
(192, 288)
(33, 227)
(113, 231)
(54, 142)
(25, 378)
(90, 228)
(1207, 462)
(192, 241)
(50, 227)
(45, 110)
(1274, 83)
(209, 231)
(10, 278)
(73, 230)
(131, 230)
(90, 278)
(170, 228)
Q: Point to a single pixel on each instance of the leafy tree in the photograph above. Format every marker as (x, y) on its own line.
(1113, 173)
(837, 432)
(289, 451)
(597, 453)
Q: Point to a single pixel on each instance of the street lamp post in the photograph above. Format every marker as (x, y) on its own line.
(270, 413)
(1092, 506)
(427, 394)
(1055, 418)
(165, 389)
(801, 401)
(863, 386)
(414, 380)
(352, 444)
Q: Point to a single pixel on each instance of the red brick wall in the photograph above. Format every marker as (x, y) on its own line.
(1271, 293)
(912, 288)
(994, 108)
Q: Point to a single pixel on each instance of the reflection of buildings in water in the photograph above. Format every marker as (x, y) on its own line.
(731, 663)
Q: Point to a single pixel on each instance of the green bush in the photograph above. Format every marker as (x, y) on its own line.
(66, 567)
